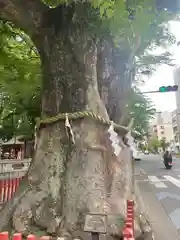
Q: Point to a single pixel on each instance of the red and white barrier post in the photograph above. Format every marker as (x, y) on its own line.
(128, 232)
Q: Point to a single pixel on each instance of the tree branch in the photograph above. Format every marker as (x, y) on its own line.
(24, 14)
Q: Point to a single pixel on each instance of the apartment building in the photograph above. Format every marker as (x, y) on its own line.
(176, 77)
(176, 127)
(176, 113)
(161, 126)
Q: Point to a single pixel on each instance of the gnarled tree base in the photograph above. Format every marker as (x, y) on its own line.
(66, 181)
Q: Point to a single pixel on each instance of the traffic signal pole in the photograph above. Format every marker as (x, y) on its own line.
(152, 92)
(164, 89)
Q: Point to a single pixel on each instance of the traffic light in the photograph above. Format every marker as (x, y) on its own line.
(168, 88)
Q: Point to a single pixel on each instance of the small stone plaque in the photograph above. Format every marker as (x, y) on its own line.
(96, 223)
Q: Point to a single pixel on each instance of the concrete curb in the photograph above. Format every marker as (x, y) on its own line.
(142, 210)
(159, 221)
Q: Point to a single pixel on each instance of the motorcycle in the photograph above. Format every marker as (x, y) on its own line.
(167, 164)
(167, 160)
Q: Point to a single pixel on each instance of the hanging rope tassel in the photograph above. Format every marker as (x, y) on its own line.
(69, 129)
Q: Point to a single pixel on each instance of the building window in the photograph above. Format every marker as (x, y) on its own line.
(161, 127)
(162, 132)
(175, 129)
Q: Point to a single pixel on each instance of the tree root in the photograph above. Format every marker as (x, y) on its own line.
(61, 188)
(36, 213)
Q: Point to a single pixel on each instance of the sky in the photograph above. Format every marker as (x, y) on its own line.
(164, 77)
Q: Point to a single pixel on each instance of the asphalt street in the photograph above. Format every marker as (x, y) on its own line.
(160, 190)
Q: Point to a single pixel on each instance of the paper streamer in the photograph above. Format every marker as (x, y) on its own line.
(115, 140)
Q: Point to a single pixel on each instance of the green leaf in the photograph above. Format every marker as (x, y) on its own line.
(141, 109)
(20, 81)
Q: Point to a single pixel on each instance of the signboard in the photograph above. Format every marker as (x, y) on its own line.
(96, 223)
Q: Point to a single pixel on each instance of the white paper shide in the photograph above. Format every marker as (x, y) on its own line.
(115, 140)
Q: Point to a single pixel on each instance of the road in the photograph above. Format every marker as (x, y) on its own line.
(160, 190)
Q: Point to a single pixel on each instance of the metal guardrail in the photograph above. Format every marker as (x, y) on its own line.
(12, 168)
(15, 161)
(11, 165)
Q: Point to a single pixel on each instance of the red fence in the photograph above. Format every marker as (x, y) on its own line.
(18, 236)
(7, 188)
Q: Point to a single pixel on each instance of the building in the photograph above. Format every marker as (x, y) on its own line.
(162, 118)
(176, 127)
(176, 77)
(176, 113)
(161, 127)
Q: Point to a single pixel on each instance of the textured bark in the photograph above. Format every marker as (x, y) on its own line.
(113, 79)
(25, 14)
(115, 68)
(66, 180)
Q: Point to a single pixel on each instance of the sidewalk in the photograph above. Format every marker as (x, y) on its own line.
(161, 224)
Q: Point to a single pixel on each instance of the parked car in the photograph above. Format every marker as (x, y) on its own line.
(146, 152)
(137, 155)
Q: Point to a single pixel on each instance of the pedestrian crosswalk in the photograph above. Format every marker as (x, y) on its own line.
(161, 182)
(157, 182)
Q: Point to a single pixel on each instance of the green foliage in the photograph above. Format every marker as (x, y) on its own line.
(163, 143)
(147, 64)
(128, 21)
(148, 61)
(143, 147)
(133, 24)
(141, 109)
(19, 83)
(154, 144)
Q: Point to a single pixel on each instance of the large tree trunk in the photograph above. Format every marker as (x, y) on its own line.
(67, 180)
(114, 80)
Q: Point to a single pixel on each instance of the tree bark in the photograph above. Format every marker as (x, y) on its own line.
(111, 70)
(67, 180)
(24, 14)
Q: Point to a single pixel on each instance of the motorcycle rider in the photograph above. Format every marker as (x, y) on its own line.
(167, 158)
